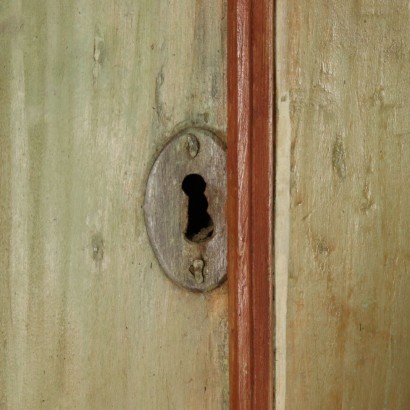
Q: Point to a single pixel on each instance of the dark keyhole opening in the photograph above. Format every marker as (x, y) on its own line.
(200, 226)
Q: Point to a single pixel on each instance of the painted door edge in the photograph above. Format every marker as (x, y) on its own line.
(251, 119)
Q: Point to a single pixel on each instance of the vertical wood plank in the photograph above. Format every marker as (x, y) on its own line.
(90, 91)
(345, 67)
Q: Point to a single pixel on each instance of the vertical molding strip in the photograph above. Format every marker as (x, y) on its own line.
(251, 93)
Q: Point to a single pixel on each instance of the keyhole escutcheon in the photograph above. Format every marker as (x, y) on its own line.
(184, 209)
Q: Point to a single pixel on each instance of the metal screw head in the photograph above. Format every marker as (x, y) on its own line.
(193, 145)
(197, 270)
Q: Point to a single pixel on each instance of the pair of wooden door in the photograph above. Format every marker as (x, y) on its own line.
(90, 92)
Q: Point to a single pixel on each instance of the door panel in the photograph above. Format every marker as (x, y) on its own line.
(343, 99)
(90, 92)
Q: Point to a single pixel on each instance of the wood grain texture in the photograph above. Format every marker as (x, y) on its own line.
(345, 65)
(250, 202)
(89, 93)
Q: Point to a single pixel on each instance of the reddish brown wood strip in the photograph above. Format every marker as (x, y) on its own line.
(250, 202)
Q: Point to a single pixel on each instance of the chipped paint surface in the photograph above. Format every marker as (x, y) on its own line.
(87, 319)
(339, 158)
(346, 67)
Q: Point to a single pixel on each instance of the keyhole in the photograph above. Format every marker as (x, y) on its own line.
(200, 226)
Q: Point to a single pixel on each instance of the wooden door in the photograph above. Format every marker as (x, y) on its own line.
(90, 91)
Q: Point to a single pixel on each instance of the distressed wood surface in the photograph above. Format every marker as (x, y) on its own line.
(250, 202)
(89, 93)
(344, 107)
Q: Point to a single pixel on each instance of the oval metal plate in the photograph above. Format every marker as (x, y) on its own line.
(199, 263)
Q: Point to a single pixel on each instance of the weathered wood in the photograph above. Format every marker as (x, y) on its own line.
(193, 161)
(90, 91)
(344, 107)
(250, 202)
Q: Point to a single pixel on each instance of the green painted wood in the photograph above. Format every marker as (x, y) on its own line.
(90, 91)
(344, 114)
